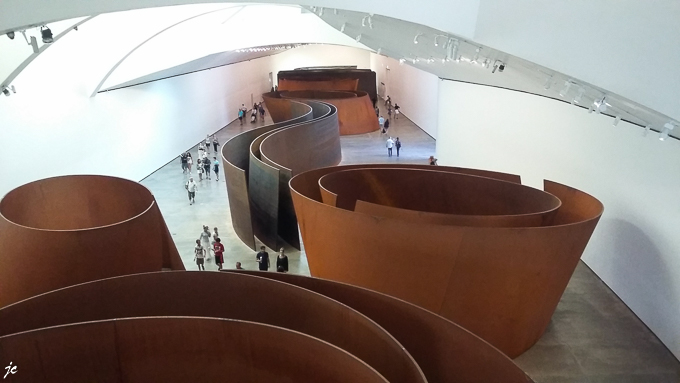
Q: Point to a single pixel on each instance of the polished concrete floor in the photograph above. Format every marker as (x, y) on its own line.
(593, 337)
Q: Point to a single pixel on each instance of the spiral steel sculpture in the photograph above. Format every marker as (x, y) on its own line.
(491, 255)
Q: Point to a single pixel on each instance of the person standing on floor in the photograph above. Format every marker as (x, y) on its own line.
(377, 111)
(389, 112)
(433, 161)
(201, 150)
(261, 109)
(381, 121)
(207, 143)
(206, 167)
(199, 170)
(242, 113)
(386, 125)
(216, 144)
(183, 161)
(282, 262)
(215, 235)
(199, 255)
(216, 168)
(253, 114)
(396, 111)
(218, 249)
(397, 144)
(190, 161)
(191, 187)
(205, 238)
(388, 101)
(389, 144)
(262, 259)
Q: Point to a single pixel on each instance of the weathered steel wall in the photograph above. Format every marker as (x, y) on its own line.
(502, 282)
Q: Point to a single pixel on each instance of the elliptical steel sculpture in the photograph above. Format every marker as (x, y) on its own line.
(66, 230)
(492, 256)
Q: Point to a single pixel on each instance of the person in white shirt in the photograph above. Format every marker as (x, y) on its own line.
(389, 145)
(199, 255)
(191, 187)
(207, 142)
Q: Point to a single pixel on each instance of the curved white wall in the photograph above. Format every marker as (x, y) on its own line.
(635, 249)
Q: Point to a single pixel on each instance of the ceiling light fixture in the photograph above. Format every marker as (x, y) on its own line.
(342, 27)
(33, 42)
(667, 128)
(358, 37)
(10, 34)
(321, 12)
(402, 61)
(601, 105)
(451, 49)
(415, 39)
(6, 90)
(367, 21)
(548, 82)
(474, 60)
(617, 120)
(436, 41)
(579, 96)
(379, 50)
(46, 34)
(646, 131)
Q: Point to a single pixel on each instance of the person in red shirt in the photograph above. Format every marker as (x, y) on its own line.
(218, 249)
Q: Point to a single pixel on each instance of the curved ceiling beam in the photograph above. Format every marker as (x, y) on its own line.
(35, 55)
(108, 74)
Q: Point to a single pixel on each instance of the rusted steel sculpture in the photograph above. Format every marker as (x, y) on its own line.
(236, 161)
(61, 231)
(491, 256)
(179, 349)
(259, 163)
(314, 77)
(349, 84)
(399, 340)
(355, 109)
(235, 296)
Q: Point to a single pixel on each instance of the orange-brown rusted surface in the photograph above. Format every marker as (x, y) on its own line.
(178, 349)
(355, 109)
(445, 351)
(222, 295)
(77, 229)
(349, 84)
(500, 282)
(367, 79)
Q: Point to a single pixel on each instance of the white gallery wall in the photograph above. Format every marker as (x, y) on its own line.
(52, 127)
(635, 248)
(415, 90)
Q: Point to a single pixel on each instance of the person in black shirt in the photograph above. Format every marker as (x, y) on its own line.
(206, 167)
(262, 259)
(183, 159)
(282, 262)
(397, 144)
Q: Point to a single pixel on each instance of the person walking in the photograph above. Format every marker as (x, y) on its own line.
(381, 121)
(389, 112)
(206, 167)
(388, 101)
(389, 144)
(397, 144)
(205, 238)
(377, 112)
(433, 161)
(190, 161)
(282, 262)
(242, 113)
(201, 149)
(253, 114)
(218, 249)
(216, 144)
(216, 168)
(215, 235)
(207, 143)
(386, 125)
(183, 161)
(199, 255)
(262, 259)
(191, 187)
(396, 111)
(199, 170)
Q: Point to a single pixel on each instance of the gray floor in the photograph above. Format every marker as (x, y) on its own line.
(593, 337)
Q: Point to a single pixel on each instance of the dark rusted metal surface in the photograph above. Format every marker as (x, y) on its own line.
(355, 109)
(222, 295)
(367, 78)
(502, 283)
(178, 349)
(278, 154)
(77, 229)
(236, 161)
(446, 352)
(348, 84)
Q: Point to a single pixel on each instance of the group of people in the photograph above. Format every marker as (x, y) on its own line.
(390, 109)
(204, 246)
(258, 108)
(203, 165)
(263, 262)
(392, 143)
